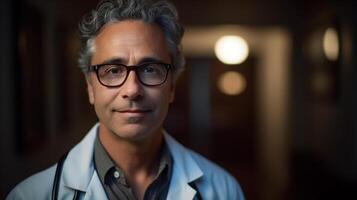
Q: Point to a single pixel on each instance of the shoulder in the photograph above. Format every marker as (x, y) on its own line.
(216, 179)
(210, 168)
(37, 186)
(213, 182)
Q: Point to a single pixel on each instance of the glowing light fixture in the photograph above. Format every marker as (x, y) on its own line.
(231, 49)
(331, 44)
(232, 83)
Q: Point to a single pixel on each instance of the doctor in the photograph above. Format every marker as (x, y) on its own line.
(131, 58)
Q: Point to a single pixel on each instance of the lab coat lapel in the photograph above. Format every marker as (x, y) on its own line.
(180, 189)
(78, 169)
(185, 171)
(95, 189)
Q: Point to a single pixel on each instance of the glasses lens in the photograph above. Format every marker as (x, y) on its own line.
(152, 73)
(112, 75)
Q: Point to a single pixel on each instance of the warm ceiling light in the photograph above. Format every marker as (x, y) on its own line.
(331, 44)
(232, 83)
(231, 49)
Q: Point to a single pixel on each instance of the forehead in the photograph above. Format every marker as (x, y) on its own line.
(130, 40)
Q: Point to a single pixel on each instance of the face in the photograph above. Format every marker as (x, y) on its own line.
(132, 111)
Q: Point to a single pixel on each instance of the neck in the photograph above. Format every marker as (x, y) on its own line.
(133, 157)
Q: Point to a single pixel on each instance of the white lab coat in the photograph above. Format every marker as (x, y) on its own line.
(78, 173)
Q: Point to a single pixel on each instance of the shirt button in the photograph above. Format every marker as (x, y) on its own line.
(116, 174)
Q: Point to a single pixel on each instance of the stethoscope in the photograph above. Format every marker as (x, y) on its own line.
(57, 180)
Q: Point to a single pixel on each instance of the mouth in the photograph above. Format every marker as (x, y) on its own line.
(133, 112)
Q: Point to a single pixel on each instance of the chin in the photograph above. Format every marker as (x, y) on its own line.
(134, 133)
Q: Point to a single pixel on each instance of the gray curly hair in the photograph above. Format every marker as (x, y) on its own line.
(161, 12)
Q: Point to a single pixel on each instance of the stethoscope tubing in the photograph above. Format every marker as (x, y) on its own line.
(57, 180)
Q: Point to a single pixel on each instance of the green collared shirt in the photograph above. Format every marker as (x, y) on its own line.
(114, 181)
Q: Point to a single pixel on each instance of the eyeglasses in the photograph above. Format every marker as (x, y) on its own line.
(115, 75)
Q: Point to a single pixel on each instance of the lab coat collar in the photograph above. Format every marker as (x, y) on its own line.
(185, 171)
(187, 166)
(78, 168)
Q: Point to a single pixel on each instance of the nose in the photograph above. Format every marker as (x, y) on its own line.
(132, 88)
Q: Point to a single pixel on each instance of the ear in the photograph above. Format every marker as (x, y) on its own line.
(90, 89)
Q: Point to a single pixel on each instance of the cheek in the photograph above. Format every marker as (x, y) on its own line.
(172, 95)
(171, 90)
(103, 98)
(166, 97)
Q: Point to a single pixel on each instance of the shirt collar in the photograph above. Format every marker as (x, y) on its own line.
(103, 163)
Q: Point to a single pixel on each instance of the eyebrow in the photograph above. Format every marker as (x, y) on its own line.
(123, 61)
(113, 61)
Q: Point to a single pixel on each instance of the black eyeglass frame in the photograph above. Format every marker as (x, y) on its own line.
(129, 68)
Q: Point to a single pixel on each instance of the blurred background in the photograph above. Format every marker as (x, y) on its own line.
(268, 92)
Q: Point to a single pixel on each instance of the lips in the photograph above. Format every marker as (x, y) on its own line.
(133, 115)
(134, 111)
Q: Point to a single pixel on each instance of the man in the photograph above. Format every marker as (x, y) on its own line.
(131, 58)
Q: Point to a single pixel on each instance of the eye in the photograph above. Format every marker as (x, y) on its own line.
(114, 70)
(149, 69)
(111, 70)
